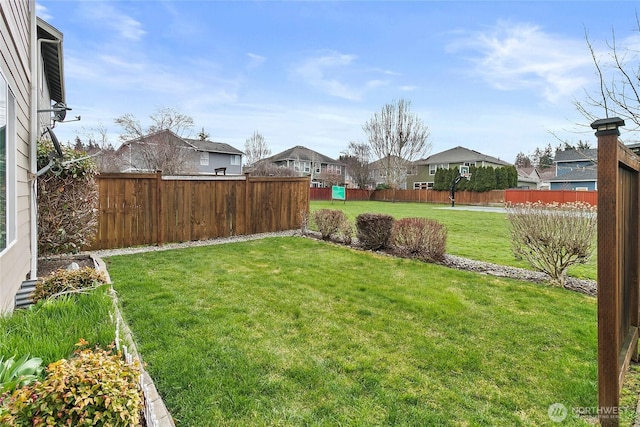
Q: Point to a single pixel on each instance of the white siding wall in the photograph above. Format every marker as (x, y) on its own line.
(15, 39)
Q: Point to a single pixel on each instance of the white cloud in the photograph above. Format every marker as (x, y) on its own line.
(514, 56)
(255, 60)
(318, 71)
(43, 12)
(105, 16)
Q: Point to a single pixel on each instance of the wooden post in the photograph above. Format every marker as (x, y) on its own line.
(159, 210)
(609, 316)
(248, 229)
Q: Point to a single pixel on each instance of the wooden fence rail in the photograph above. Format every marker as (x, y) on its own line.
(149, 209)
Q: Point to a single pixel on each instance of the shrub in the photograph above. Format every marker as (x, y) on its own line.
(94, 387)
(552, 237)
(329, 222)
(422, 238)
(374, 230)
(68, 281)
(67, 201)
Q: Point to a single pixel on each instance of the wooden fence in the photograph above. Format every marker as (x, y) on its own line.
(149, 209)
(550, 196)
(618, 265)
(496, 197)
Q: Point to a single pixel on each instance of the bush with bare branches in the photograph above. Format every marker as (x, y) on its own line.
(552, 237)
(374, 230)
(67, 201)
(330, 222)
(422, 238)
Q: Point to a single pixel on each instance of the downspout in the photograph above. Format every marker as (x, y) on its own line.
(33, 137)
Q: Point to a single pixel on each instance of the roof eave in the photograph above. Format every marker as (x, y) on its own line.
(53, 58)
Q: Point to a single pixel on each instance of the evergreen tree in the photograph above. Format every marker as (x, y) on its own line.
(502, 178)
(512, 176)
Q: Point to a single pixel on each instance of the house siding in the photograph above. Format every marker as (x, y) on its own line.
(218, 160)
(15, 40)
(573, 185)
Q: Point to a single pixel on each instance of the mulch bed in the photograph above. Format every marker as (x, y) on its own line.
(46, 266)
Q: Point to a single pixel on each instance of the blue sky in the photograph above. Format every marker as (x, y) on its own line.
(496, 77)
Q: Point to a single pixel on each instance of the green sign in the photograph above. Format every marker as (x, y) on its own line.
(338, 193)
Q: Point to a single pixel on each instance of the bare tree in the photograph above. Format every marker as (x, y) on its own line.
(96, 143)
(160, 146)
(162, 118)
(357, 157)
(619, 83)
(398, 137)
(255, 149)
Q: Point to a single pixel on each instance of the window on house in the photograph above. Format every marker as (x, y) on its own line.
(204, 159)
(306, 167)
(7, 166)
(236, 160)
(433, 168)
(422, 185)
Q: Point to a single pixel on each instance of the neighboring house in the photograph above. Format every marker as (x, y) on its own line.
(31, 78)
(176, 155)
(528, 178)
(378, 171)
(575, 170)
(323, 170)
(546, 175)
(454, 157)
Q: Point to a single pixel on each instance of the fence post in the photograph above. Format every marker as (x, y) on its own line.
(159, 210)
(609, 298)
(247, 205)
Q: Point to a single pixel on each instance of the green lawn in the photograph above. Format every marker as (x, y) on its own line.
(483, 236)
(293, 332)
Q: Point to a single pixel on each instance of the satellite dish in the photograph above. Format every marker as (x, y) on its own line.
(59, 111)
(56, 143)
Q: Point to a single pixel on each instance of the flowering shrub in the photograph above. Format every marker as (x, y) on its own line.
(93, 388)
(68, 281)
(422, 238)
(552, 237)
(374, 230)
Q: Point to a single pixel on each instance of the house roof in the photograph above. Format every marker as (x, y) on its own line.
(196, 144)
(589, 154)
(547, 174)
(380, 162)
(298, 153)
(586, 174)
(530, 172)
(460, 155)
(212, 147)
(51, 48)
